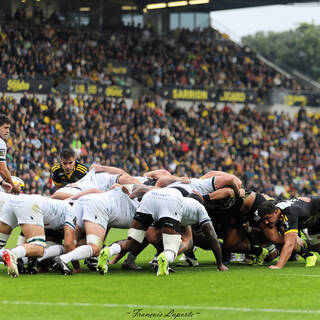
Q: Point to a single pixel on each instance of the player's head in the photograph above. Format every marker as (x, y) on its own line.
(4, 126)
(269, 213)
(68, 160)
(18, 182)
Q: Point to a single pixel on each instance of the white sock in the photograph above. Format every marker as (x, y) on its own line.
(79, 253)
(52, 252)
(21, 240)
(169, 256)
(19, 252)
(114, 249)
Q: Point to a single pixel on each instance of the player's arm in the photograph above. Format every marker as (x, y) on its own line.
(112, 170)
(55, 178)
(209, 231)
(227, 181)
(57, 184)
(140, 191)
(165, 181)
(5, 174)
(220, 194)
(213, 173)
(290, 242)
(84, 193)
(157, 174)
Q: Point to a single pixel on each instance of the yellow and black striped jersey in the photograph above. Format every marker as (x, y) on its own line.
(60, 178)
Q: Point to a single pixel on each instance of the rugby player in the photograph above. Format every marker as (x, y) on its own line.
(101, 180)
(193, 213)
(6, 181)
(68, 170)
(293, 215)
(32, 213)
(96, 213)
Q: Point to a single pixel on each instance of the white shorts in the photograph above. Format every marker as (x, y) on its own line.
(162, 203)
(7, 215)
(91, 208)
(22, 211)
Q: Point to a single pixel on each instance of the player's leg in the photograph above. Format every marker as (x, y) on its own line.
(171, 238)
(95, 234)
(5, 231)
(136, 235)
(34, 247)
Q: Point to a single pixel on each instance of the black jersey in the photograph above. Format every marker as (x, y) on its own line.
(297, 214)
(60, 178)
(229, 205)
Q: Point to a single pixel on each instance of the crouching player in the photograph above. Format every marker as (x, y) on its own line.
(164, 206)
(31, 213)
(96, 213)
(193, 213)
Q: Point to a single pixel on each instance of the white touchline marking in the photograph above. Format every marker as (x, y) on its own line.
(190, 308)
(297, 275)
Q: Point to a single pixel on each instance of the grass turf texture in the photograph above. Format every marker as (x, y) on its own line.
(245, 292)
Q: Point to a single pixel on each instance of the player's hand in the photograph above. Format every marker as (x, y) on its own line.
(6, 186)
(185, 180)
(76, 270)
(125, 190)
(274, 267)
(15, 189)
(223, 268)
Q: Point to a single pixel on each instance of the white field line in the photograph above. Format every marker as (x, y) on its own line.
(189, 308)
(297, 275)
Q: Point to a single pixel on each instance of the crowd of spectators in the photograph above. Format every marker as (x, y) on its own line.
(207, 58)
(271, 152)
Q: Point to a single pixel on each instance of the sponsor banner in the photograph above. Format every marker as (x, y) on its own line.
(120, 69)
(295, 98)
(238, 96)
(26, 85)
(202, 94)
(88, 88)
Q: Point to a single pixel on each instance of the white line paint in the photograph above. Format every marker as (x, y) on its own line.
(297, 275)
(190, 308)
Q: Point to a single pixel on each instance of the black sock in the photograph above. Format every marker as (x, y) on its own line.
(190, 254)
(304, 253)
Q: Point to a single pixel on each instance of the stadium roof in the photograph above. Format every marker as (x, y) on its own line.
(213, 5)
(139, 5)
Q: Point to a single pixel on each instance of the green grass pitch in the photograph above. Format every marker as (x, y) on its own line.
(245, 292)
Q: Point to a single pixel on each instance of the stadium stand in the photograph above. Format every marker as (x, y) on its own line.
(270, 151)
(207, 58)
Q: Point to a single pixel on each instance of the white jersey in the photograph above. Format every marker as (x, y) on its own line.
(3, 151)
(193, 212)
(111, 209)
(102, 181)
(38, 210)
(203, 186)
